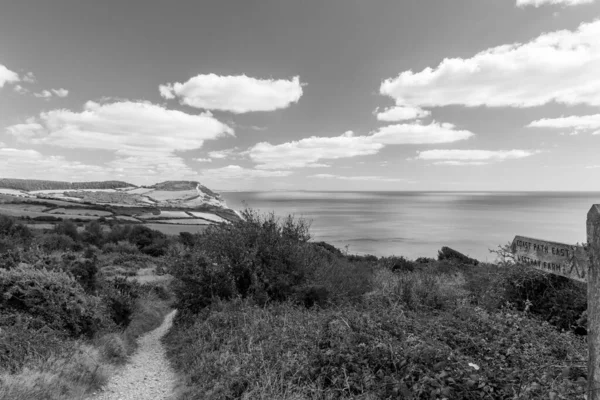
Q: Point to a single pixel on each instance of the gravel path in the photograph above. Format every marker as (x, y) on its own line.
(148, 375)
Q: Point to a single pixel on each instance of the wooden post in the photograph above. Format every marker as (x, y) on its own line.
(593, 295)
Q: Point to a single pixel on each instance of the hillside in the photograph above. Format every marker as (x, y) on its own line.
(34, 184)
(170, 202)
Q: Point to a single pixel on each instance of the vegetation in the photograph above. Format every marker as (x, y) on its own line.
(33, 184)
(265, 313)
(64, 320)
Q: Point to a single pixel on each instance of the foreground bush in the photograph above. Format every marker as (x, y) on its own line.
(53, 297)
(238, 350)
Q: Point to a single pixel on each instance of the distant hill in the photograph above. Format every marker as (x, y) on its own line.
(34, 184)
(183, 185)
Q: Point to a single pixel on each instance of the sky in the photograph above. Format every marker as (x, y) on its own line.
(303, 95)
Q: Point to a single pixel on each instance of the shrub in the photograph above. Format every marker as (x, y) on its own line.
(198, 281)
(263, 256)
(93, 233)
(120, 296)
(67, 228)
(121, 247)
(57, 242)
(13, 231)
(52, 296)
(446, 253)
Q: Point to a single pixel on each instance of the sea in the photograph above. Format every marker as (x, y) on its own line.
(418, 224)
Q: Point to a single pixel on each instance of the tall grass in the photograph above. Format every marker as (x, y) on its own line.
(72, 369)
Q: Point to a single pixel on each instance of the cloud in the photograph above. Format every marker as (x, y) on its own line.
(369, 178)
(593, 166)
(18, 163)
(29, 78)
(222, 154)
(420, 134)
(559, 66)
(238, 94)
(402, 113)
(537, 3)
(20, 89)
(236, 172)
(472, 157)
(583, 123)
(61, 92)
(143, 137)
(460, 163)
(203, 160)
(7, 76)
(309, 151)
(44, 94)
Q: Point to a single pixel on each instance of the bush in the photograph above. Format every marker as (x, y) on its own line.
(263, 256)
(556, 299)
(198, 282)
(446, 253)
(54, 297)
(57, 242)
(12, 231)
(120, 296)
(67, 228)
(121, 247)
(376, 351)
(93, 233)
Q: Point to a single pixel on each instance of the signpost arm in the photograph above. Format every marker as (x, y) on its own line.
(593, 310)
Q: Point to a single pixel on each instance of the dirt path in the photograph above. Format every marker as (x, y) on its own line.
(148, 375)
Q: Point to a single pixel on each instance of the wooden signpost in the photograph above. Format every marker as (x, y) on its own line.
(577, 263)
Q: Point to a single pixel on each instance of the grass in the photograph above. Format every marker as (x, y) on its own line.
(74, 369)
(418, 334)
(69, 375)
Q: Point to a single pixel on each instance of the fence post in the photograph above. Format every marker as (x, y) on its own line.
(593, 299)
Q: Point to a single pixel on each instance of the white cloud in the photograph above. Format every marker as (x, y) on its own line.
(61, 92)
(29, 78)
(308, 152)
(7, 76)
(166, 91)
(402, 113)
(560, 66)
(583, 123)
(368, 178)
(238, 94)
(472, 157)
(44, 94)
(222, 154)
(203, 160)
(537, 3)
(18, 163)
(420, 134)
(460, 163)
(593, 166)
(236, 172)
(143, 137)
(20, 89)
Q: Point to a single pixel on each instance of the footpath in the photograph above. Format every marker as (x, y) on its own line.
(148, 374)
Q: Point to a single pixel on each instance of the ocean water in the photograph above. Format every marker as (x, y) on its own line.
(417, 224)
